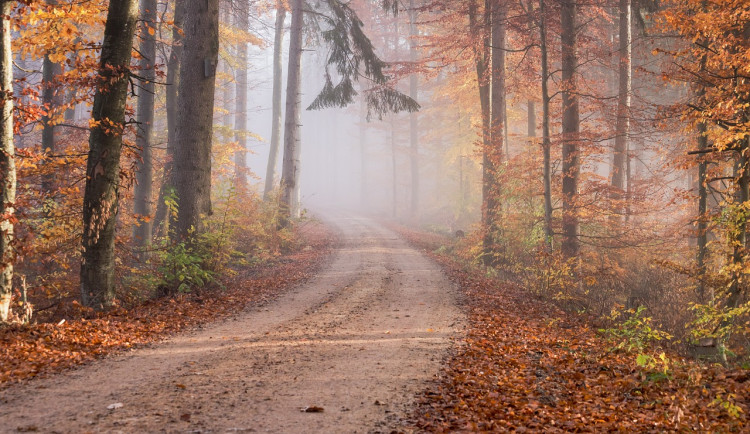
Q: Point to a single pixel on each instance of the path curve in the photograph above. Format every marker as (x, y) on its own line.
(359, 340)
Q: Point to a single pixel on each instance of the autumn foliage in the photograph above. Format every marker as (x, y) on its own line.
(525, 364)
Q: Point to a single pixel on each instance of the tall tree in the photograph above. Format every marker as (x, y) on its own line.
(290, 168)
(273, 154)
(482, 60)
(413, 117)
(7, 161)
(52, 99)
(101, 196)
(242, 22)
(173, 79)
(491, 181)
(622, 128)
(193, 131)
(546, 140)
(570, 127)
(363, 154)
(142, 205)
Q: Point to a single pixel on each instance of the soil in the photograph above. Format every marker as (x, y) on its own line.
(345, 352)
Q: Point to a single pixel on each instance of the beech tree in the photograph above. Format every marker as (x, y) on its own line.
(290, 168)
(276, 118)
(622, 129)
(191, 174)
(7, 161)
(242, 22)
(145, 119)
(570, 127)
(101, 196)
(173, 79)
(52, 99)
(413, 117)
(494, 152)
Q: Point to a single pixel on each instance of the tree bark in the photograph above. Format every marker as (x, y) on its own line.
(52, 99)
(622, 129)
(570, 128)
(413, 117)
(494, 153)
(101, 196)
(7, 162)
(194, 127)
(290, 167)
(273, 154)
(546, 140)
(161, 219)
(142, 206)
(240, 120)
(702, 213)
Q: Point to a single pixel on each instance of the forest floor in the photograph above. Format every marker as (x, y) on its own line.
(348, 350)
(527, 366)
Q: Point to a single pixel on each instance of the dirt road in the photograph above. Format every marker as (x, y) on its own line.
(357, 341)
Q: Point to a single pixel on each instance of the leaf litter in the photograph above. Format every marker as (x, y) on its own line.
(526, 365)
(28, 351)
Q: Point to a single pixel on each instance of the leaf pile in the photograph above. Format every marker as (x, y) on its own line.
(527, 366)
(32, 350)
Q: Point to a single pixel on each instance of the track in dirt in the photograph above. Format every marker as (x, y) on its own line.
(358, 341)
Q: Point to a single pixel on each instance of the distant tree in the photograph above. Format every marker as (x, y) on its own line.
(101, 196)
(290, 167)
(276, 118)
(570, 127)
(173, 79)
(494, 153)
(546, 139)
(242, 22)
(142, 206)
(413, 117)
(351, 55)
(52, 100)
(622, 129)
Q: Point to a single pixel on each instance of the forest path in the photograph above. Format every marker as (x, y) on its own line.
(358, 340)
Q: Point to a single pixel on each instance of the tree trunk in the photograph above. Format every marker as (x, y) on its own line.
(240, 120)
(494, 154)
(101, 196)
(363, 154)
(546, 140)
(482, 61)
(394, 169)
(226, 10)
(193, 132)
(622, 129)
(413, 117)
(273, 154)
(7, 162)
(739, 234)
(161, 219)
(290, 167)
(570, 128)
(52, 99)
(145, 118)
(702, 211)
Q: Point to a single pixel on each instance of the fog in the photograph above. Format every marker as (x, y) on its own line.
(347, 161)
